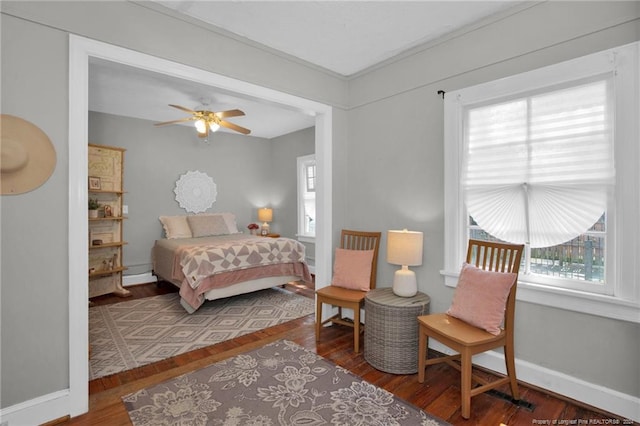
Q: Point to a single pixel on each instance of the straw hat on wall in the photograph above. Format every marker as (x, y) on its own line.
(27, 155)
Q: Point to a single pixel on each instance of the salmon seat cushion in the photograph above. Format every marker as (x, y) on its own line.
(481, 296)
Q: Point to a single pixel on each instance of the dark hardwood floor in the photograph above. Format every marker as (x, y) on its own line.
(440, 395)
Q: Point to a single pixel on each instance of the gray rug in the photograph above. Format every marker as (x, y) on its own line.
(279, 384)
(138, 332)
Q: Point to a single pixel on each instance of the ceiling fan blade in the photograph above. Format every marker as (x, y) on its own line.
(182, 120)
(235, 127)
(183, 108)
(230, 113)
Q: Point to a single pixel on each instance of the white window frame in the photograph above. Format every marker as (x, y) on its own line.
(623, 228)
(302, 164)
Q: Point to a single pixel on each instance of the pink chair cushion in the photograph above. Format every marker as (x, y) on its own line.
(481, 297)
(352, 269)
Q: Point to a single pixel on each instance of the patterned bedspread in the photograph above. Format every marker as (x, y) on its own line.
(200, 261)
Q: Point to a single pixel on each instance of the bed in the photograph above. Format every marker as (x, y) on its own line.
(209, 267)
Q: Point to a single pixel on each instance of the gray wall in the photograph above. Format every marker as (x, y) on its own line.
(285, 150)
(386, 173)
(399, 174)
(249, 173)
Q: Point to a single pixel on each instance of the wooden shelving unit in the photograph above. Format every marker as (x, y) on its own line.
(106, 167)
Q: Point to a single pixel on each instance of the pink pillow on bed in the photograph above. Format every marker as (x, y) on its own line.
(207, 225)
(229, 220)
(481, 297)
(352, 269)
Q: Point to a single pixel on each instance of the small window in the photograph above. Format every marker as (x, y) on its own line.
(307, 197)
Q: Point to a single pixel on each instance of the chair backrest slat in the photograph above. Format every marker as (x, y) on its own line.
(494, 256)
(361, 240)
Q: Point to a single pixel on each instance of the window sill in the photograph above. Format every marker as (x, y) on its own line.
(306, 239)
(570, 300)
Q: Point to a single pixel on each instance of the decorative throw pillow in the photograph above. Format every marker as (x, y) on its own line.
(229, 219)
(352, 269)
(207, 225)
(481, 297)
(175, 226)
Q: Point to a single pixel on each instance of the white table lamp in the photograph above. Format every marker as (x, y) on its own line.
(265, 215)
(404, 248)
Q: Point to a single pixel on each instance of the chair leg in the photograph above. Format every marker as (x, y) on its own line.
(423, 342)
(356, 330)
(511, 370)
(465, 383)
(318, 319)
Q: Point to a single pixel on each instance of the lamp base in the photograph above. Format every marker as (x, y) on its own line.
(264, 230)
(404, 283)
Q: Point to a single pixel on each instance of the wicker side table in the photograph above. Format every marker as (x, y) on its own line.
(391, 330)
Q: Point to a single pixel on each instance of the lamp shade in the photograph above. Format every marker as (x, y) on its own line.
(265, 214)
(404, 248)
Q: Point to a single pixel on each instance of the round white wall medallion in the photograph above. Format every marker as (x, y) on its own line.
(195, 191)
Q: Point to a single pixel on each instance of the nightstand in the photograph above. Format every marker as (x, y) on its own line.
(391, 330)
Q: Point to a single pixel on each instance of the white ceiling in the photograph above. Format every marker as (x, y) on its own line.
(340, 36)
(132, 92)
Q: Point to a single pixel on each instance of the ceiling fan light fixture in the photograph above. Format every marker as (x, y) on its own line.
(207, 122)
(201, 126)
(213, 126)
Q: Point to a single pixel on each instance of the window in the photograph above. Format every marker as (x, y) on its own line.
(546, 159)
(307, 197)
(537, 170)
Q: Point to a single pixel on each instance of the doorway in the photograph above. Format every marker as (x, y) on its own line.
(80, 52)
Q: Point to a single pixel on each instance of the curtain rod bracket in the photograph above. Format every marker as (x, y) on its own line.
(441, 93)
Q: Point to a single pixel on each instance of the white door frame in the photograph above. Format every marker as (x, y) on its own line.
(80, 51)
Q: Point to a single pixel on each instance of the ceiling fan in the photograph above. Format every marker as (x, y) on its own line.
(209, 121)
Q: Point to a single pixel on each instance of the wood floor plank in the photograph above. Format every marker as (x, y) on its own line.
(439, 395)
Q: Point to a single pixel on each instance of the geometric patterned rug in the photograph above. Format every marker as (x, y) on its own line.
(130, 334)
(281, 383)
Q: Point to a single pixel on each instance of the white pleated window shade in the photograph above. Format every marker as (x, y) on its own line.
(538, 168)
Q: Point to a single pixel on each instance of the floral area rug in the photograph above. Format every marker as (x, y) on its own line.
(131, 334)
(279, 384)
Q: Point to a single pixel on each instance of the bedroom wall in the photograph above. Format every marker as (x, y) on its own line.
(239, 165)
(249, 173)
(395, 173)
(284, 153)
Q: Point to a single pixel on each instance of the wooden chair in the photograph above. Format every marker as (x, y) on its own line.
(346, 298)
(469, 340)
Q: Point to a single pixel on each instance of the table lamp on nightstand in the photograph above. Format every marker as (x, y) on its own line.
(265, 215)
(404, 248)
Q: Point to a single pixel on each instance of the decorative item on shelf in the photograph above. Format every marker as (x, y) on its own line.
(93, 208)
(253, 228)
(265, 215)
(96, 242)
(94, 183)
(107, 211)
(404, 248)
